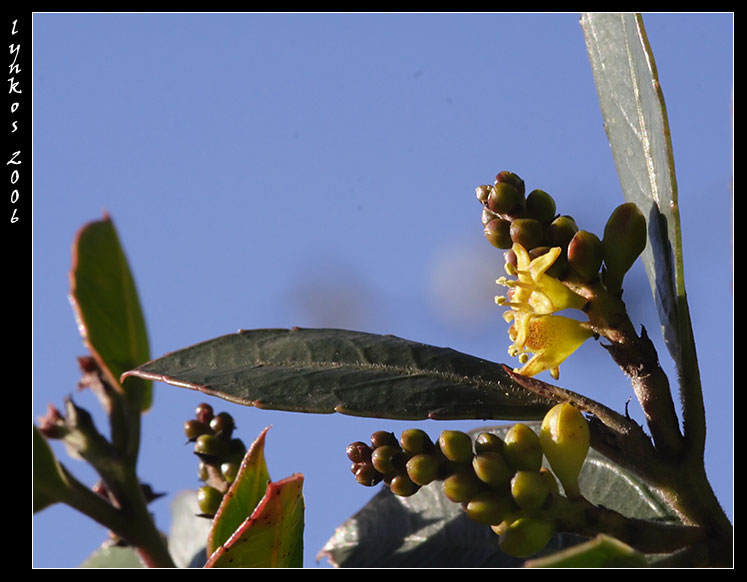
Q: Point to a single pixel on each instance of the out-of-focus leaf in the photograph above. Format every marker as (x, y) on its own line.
(107, 307)
(428, 530)
(361, 374)
(48, 480)
(637, 127)
(189, 531)
(111, 556)
(273, 536)
(244, 495)
(601, 552)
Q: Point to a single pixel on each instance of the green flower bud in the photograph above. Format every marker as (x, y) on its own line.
(529, 489)
(456, 446)
(511, 178)
(423, 469)
(487, 441)
(487, 215)
(229, 470)
(482, 193)
(462, 486)
(208, 445)
(387, 459)
(203, 472)
(498, 233)
(561, 231)
(540, 206)
(565, 441)
(528, 232)
(489, 507)
(624, 240)
(523, 450)
(585, 254)
(526, 536)
(415, 441)
(209, 500)
(491, 468)
(402, 485)
(194, 428)
(505, 199)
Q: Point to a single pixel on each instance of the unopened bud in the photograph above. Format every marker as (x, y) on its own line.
(526, 536)
(540, 206)
(456, 446)
(624, 240)
(523, 450)
(498, 233)
(529, 489)
(561, 231)
(527, 232)
(565, 441)
(585, 254)
(505, 199)
(511, 178)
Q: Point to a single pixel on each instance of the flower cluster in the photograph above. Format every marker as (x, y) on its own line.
(548, 257)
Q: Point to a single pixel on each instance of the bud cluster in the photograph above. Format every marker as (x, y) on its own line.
(511, 216)
(499, 482)
(219, 453)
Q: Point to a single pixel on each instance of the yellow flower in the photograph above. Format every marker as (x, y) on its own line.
(534, 289)
(551, 338)
(533, 297)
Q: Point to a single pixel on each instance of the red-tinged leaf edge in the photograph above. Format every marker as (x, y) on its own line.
(263, 510)
(253, 460)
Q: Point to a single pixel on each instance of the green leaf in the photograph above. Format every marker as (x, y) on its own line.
(243, 496)
(428, 530)
(107, 307)
(273, 536)
(189, 531)
(637, 127)
(48, 480)
(601, 552)
(111, 556)
(361, 374)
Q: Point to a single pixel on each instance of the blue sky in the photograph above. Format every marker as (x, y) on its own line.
(271, 170)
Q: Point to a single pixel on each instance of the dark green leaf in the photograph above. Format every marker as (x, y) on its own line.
(48, 480)
(361, 374)
(242, 498)
(107, 306)
(636, 122)
(428, 530)
(600, 552)
(273, 536)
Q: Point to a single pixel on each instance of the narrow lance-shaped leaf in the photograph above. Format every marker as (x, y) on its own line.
(637, 127)
(355, 373)
(107, 307)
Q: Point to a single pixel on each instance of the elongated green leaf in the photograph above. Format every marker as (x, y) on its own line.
(106, 305)
(242, 498)
(273, 536)
(361, 374)
(428, 530)
(637, 127)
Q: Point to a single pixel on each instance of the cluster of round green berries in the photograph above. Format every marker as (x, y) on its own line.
(499, 482)
(510, 216)
(219, 452)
